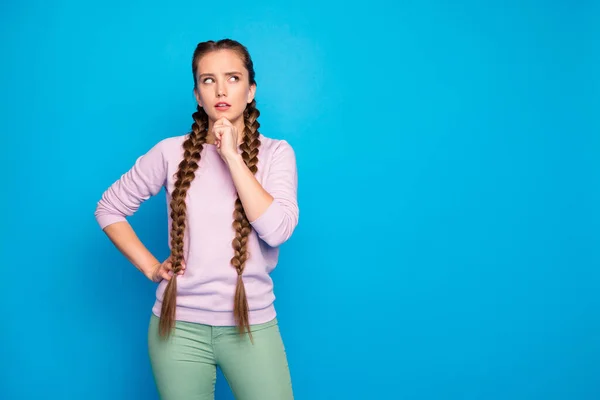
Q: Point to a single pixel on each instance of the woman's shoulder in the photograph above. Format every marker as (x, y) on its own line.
(171, 144)
(273, 146)
(167, 148)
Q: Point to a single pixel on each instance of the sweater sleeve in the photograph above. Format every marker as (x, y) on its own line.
(123, 198)
(276, 225)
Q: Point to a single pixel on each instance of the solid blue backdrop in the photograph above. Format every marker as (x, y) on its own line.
(449, 190)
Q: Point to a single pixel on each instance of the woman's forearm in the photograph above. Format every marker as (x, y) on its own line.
(126, 240)
(255, 199)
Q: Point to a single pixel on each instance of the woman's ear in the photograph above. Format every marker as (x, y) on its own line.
(197, 96)
(251, 93)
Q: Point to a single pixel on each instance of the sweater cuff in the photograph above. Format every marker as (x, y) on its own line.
(269, 221)
(108, 219)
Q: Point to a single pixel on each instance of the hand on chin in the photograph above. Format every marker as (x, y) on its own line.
(226, 138)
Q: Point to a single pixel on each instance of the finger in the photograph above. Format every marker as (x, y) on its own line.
(165, 275)
(168, 265)
(225, 121)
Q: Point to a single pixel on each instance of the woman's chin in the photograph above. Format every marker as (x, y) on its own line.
(225, 114)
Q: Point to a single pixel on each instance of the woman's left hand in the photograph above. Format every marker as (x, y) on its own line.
(226, 138)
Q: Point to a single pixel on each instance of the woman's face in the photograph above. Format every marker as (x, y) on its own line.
(223, 87)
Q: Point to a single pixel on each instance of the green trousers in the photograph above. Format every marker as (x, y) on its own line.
(184, 365)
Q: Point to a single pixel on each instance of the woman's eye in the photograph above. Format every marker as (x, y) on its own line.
(233, 78)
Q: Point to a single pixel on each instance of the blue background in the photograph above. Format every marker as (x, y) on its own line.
(449, 191)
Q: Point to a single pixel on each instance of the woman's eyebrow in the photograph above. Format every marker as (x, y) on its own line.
(226, 73)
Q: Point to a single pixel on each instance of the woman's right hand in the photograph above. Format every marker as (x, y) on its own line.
(164, 270)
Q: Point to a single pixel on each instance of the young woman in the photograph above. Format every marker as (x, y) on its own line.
(232, 196)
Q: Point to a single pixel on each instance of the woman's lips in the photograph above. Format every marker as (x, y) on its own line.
(222, 106)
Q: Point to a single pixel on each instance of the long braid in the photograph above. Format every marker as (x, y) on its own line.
(241, 225)
(192, 147)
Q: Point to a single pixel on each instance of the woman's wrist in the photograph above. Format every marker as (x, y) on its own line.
(149, 269)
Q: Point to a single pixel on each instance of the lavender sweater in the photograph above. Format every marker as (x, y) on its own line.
(206, 289)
